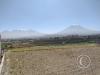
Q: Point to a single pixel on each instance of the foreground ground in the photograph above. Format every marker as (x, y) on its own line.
(52, 60)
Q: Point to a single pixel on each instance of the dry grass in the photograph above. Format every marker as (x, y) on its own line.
(52, 60)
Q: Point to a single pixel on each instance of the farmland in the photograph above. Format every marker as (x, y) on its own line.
(52, 60)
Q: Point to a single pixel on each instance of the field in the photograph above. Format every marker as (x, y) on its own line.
(52, 60)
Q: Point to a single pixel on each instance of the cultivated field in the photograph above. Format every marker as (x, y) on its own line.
(52, 60)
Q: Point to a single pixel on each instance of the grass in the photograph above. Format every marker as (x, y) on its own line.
(51, 47)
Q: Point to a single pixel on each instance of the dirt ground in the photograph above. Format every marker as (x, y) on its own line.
(59, 60)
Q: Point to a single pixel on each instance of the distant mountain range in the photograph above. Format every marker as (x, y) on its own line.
(16, 34)
(72, 30)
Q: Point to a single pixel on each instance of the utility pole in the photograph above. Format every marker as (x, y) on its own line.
(0, 47)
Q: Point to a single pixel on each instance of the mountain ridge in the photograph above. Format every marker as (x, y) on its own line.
(78, 30)
(15, 34)
(71, 30)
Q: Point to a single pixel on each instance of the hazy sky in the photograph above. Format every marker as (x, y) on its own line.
(48, 16)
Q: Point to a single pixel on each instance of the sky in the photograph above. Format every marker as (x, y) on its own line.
(48, 16)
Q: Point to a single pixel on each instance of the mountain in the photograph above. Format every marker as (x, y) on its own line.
(74, 30)
(77, 30)
(71, 30)
(16, 34)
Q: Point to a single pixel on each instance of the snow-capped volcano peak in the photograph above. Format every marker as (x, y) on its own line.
(75, 27)
(78, 30)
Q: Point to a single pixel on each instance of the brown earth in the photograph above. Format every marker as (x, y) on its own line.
(52, 60)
